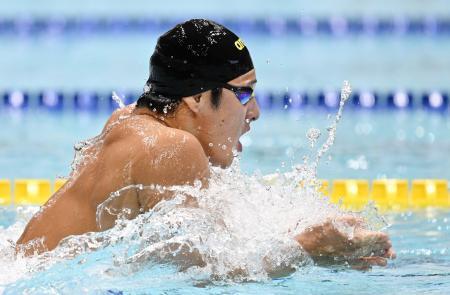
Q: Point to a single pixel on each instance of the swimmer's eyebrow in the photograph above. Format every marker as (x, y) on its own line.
(251, 83)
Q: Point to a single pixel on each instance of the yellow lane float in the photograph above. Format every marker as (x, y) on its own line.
(353, 194)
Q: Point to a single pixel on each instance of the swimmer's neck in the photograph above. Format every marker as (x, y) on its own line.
(178, 119)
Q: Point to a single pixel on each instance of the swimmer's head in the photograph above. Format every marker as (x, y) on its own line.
(193, 57)
(203, 72)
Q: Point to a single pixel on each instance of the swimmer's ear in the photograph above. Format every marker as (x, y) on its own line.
(193, 102)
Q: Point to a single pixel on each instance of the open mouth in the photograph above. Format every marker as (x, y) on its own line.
(239, 146)
(239, 143)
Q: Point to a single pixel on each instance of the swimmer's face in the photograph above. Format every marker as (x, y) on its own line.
(221, 127)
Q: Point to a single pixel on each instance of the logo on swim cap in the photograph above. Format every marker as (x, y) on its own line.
(239, 44)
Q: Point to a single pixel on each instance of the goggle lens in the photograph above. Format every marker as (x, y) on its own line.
(243, 94)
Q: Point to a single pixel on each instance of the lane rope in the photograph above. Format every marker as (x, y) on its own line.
(276, 100)
(304, 26)
(354, 194)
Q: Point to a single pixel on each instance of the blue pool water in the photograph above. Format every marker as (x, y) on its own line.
(103, 63)
(236, 8)
(369, 144)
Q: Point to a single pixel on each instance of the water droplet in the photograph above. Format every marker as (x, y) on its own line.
(345, 91)
(118, 100)
(197, 184)
(224, 147)
(313, 134)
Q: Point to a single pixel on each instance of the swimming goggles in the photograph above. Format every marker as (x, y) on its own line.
(243, 94)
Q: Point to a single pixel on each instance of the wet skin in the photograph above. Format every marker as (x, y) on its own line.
(138, 146)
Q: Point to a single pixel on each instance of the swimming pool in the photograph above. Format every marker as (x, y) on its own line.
(370, 144)
(365, 148)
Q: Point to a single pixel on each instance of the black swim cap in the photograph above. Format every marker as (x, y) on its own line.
(195, 56)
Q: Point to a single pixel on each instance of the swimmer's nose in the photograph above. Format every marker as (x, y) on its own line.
(252, 110)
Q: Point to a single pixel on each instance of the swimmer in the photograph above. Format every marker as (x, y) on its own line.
(198, 101)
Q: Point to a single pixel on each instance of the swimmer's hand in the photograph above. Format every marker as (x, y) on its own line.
(327, 245)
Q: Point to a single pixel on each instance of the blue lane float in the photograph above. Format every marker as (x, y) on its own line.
(265, 99)
(365, 100)
(400, 100)
(51, 100)
(306, 26)
(16, 99)
(86, 101)
(437, 101)
(329, 99)
(295, 100)
(126, 97)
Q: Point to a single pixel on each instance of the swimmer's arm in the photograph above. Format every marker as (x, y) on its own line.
(184, 256)
(327, 245)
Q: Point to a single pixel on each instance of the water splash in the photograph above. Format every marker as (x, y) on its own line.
(313, 135)
(87, 150)
(306, 173)
(345, 94)
(240, 226)
(118, 100)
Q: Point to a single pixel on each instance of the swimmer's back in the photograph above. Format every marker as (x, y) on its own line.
(132, 149)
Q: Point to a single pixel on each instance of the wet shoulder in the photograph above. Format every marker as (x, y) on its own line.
(119, 115)
(151, 139)
(167, 156)
(124, 126)
(162, 143)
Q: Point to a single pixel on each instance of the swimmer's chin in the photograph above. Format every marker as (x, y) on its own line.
(225, 163)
